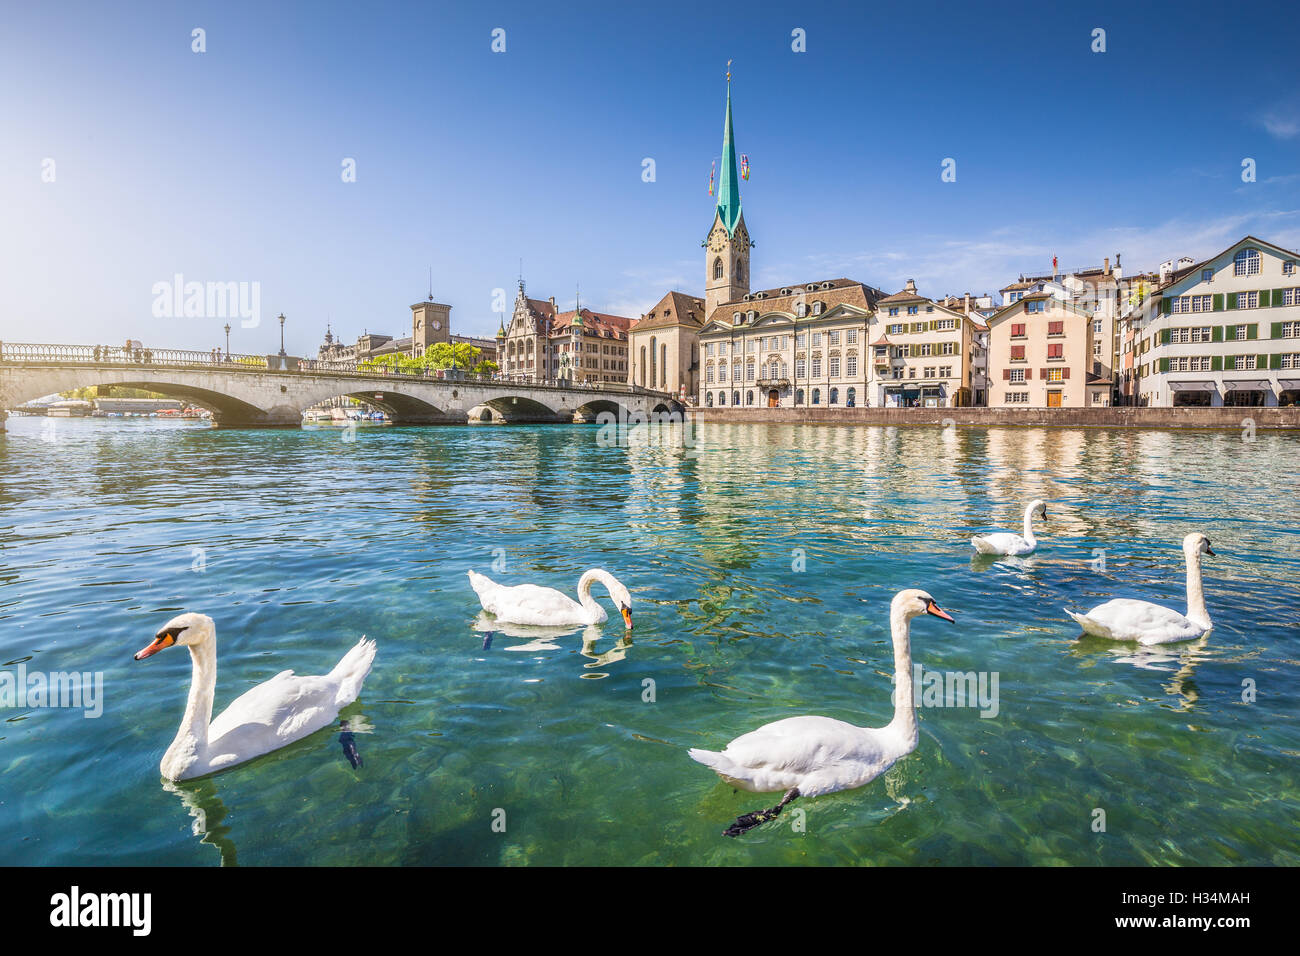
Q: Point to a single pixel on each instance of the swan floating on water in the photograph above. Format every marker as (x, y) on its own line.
(1008, 542)
(272, 715)
(547, 607)
(810, 756)
(1126, 619)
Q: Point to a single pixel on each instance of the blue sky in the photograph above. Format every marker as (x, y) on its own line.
(225, 166)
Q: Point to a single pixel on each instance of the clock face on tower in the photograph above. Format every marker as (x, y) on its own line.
(436, 325)
(717, 239)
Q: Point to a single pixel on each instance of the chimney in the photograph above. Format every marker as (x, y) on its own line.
(552, 305)
(910, 287)
(1105, 266)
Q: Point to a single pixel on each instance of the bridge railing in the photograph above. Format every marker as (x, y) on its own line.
(140, 357)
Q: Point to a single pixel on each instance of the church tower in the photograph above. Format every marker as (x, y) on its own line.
(727, 247)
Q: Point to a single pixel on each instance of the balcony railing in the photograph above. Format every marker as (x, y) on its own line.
(773, 383)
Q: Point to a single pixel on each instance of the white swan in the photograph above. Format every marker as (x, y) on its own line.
(1125, 619)
(270, 716)
(810, 756)
(547, 607)
(1008, 542)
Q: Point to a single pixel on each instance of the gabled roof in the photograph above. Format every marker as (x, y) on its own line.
(1184, 273)
(847, 292)
(674, 309)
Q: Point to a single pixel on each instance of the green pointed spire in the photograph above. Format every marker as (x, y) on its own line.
(729, 182)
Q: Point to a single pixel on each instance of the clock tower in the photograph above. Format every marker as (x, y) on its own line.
(726, 250)
(430, 324)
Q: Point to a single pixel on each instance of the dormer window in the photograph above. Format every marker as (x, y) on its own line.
(801, 309)
(810, 286)
(752, 315)
(785, 291)
(817, 307)
(826, 285)
(735, 318)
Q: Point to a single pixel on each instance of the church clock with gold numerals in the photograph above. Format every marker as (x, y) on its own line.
(717, 239)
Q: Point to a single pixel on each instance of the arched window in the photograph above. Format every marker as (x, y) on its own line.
(722, 398)
(708, 399)
(641, 369)
(853, 397)
(835, 396)
(653, 377)
(736, 318)
(801, 309)
(735, 398)
(740, 271)
(1246, 263)
(749, 398)
(817, 307)
(717, 268)
(663, 366)
(798, 397)
(817, 396)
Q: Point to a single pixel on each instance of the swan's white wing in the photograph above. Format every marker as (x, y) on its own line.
(1000, 542)
(530, 604)
(816, 754)
(1126, 619)
(269, 716)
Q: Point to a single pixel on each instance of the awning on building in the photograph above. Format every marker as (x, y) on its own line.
(1249, 385)
(1289, 384)
(1192, 386)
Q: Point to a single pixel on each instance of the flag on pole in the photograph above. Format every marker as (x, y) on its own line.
(744, 167)
(713, 169)
(1053, 265)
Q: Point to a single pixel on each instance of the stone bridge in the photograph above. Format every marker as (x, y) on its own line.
(266, 391)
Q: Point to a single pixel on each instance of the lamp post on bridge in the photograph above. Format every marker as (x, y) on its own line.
(227, 341)
(281, 334)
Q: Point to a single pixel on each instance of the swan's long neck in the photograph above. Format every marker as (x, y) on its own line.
(1195, 594)
(193, 733)
(1029, 525)
(584, 592)
(904, 722)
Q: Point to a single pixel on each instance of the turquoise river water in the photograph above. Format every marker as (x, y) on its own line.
(761, 561)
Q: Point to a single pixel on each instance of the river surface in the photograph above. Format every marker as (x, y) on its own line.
(761, 560)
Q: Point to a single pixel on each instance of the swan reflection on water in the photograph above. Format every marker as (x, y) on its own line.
(1177, 660)
(553, 639)
(200, 798)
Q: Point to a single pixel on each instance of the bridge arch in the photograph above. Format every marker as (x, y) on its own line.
(521, 408)
(224, 408)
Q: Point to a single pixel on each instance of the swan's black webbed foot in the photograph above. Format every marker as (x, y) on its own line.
(349, 745)
(751, 820)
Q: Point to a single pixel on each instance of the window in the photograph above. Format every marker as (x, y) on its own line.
(893, 310)
(851, 367)
(1038, 305)
(1291, 330)
(1018, 330)
(749, 398)
(1243, 363)
(832, 338)
(736, 318)
(816, 368)
(1291, 296)
(722, 348)
(722, 373)
(1207, 275)
(896, 329)
(835, 396)
(709, 349)
(801, 309)
(912, 310)
(853, 396)
(817, 396)
(749, 372)
(722, 398)
(1246, 263)
(708, 374)
(1056, 350)
(852, 337)
(948, 348)
(798, 396)
(817, 339)
(717, 268)
(1202, 303)
(817, 308)
(799, 368)
(835, 368)
(1017, 353)
(1248, 300)
(1288, 267)
(1055, 375)
(1291, 361)
(945, 371)
(1240, 334)
(1017, 398)
(1055, 328)
(801, 340)
(946, 325)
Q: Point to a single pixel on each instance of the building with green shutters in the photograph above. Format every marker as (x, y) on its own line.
(1225, 332)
